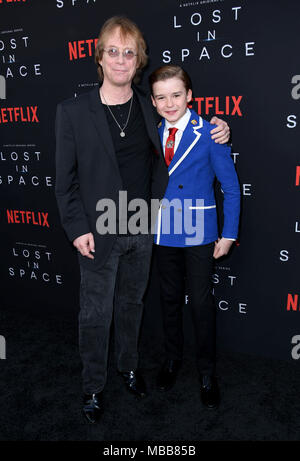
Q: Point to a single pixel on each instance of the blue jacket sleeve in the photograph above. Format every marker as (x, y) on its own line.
(224, 169)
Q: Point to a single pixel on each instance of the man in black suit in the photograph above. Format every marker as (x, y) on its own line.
(107, 142)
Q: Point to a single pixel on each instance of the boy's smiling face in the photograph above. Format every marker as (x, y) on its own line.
(170, 98)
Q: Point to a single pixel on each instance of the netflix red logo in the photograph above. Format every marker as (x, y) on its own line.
(219, 105)
(38, 218)
(27, 114)
(12, 1)
(292, 303)
(298, 175)
(82, 48)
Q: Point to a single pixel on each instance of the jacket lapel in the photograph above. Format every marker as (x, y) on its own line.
(148, 113)
(189, 138)
(101, 125)
(161, 127)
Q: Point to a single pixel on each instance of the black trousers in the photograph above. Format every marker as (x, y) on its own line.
(118, 287)
(196, 264)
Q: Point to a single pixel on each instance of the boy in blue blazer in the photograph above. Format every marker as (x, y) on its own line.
(186, 232)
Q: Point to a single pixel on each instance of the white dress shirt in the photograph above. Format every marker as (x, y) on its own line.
(180, 125)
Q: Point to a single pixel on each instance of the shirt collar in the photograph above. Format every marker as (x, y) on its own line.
(181, 123)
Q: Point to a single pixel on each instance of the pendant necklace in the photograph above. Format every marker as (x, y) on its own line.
(122, 130)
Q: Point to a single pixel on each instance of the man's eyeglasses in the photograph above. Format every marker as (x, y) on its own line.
(114, 52)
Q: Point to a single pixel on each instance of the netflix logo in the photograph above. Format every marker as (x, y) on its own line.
(12, 1)
(27, 114)
(292, 302)
(298, 175)
(219, 105)
(82, 48)
(37, 218)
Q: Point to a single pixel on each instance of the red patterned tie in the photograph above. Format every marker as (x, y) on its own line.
(170, 144)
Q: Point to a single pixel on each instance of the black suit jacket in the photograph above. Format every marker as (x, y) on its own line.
(87, 168)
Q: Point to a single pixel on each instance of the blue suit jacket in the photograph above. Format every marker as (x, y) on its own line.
(187, 215)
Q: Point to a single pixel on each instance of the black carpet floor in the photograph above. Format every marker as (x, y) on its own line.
(40, 392)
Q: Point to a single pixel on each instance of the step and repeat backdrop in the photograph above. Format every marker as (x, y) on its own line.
(243, 57)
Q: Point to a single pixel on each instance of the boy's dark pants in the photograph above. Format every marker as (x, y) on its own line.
(196, 263)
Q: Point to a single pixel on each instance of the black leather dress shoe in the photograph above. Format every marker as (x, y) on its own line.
(134, 382)
(92, 406)
(167, 376)
(210, 395)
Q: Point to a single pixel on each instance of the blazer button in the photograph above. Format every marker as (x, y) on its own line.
(179, 209)
(180, 186)
(163, 207)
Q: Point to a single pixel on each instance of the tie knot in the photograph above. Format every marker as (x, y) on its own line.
(172, 131)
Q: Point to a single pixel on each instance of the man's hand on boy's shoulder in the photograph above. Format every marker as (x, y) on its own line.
(221, 133)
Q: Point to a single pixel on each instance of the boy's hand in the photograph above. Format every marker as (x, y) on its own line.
(222, 247)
